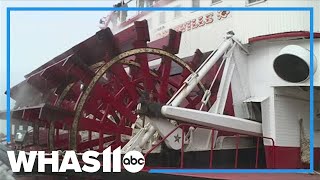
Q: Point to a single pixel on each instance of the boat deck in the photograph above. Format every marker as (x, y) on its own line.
(256, 176)
(142, 176)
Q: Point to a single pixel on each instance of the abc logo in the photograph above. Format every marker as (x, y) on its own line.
(133, 161)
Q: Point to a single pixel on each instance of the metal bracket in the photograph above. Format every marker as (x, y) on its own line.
(240, 45)
(206, 97)
(189, 79)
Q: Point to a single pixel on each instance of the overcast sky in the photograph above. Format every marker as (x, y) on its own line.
(37, 37)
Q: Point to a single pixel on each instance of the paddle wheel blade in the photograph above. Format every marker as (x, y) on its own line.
(86, 98)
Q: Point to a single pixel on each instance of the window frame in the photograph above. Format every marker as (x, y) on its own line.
(162, 14)
(174, 15)
(150, 23)
(213, 2)
(192, 1)
(254, 3)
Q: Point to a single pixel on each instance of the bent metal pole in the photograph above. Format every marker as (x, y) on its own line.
(193, 79)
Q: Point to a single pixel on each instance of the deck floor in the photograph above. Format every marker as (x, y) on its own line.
(181, 176)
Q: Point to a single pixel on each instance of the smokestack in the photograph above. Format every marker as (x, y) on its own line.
(293, 64)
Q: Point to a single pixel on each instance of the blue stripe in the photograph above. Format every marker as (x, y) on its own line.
(160, 9)
(8, 77)
(311, 92)
(310, 9)
(230, 171)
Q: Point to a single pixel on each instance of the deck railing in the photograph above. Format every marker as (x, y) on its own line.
(183, 127)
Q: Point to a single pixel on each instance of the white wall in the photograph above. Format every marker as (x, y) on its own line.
(290, 106)
(280, 114)
(261, 59)
(254, 76)
(247, 24)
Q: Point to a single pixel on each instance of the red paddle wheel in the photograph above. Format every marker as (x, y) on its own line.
(86, 98)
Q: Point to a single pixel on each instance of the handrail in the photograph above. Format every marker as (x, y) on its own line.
(211, 148)
(163, 139)
(257, 152)
(182, 149)
(237, 152)
(182, 126)
(273, 150)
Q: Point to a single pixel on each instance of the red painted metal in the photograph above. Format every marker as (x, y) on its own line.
(294, 34)
(183, 126)
(280, 157)
(161, 141)
(237, 152)
(119, 91)
(182, 148)
(116, 94)
(257, 152)
(251, 176)
(211, 148)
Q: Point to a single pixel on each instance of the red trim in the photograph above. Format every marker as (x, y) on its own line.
(289, 158)
(249, 176)
(297, 34)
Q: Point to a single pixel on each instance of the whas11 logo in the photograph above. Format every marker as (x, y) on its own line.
(132, 161)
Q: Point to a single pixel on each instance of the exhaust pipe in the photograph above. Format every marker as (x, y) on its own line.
(293, 64)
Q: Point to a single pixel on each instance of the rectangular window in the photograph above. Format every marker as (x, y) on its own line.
(255, 113)
(252, 2)
(195, 3)
(149, 23)
(177, 13)
(317, 120)
(162, 17)
(216, 1)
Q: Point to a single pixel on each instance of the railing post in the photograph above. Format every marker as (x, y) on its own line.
(163, 139)
(257, 152)
(211, 149)
(182, 126)
(274, 154)
(273, 151)
(237, 149)
(182, 148)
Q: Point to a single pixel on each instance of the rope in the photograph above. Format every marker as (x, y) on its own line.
(205, 100)
(304, 145)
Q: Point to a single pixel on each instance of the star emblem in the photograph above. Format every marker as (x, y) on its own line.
(177, 138)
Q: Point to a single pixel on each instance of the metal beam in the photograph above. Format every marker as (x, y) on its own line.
(192, 81)
(216, 121)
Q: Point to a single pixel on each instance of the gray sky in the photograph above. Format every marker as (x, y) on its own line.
(37, 37)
